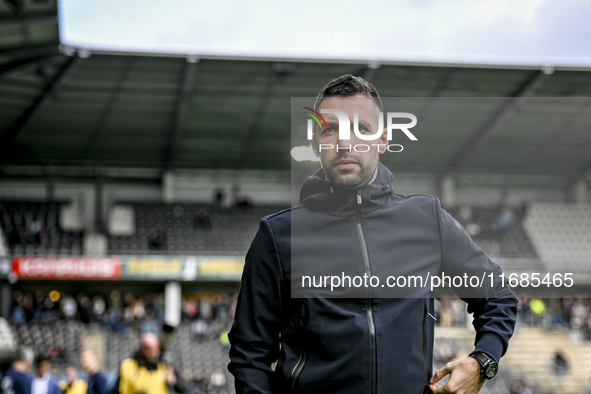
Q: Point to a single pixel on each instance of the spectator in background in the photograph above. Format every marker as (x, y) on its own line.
(84, 308)
(156, 239)
(98, 308)
(149, 324)
(505, 219)
(73, 385)
(28, 306)
(206, 309)
(97, 382)
(523, 311)
(36, 229)
(243, 203)
(18, 311)
(39, 304)
(44, 382)
(199, 330)
(146, 372)
(69, 307)
(503, 224)
(218, 201)
(446, 313)
(17, 380)
(519, 388)
(538, 307)
(560, 364)
(202, 220)
(139, 310)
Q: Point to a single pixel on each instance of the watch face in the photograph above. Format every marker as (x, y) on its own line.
(491, 370)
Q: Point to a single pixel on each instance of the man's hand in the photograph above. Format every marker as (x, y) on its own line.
(170, 376)
(464, 379)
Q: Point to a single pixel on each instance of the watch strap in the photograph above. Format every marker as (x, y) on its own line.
(484, 362)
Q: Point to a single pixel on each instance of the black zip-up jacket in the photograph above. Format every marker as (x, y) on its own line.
(357, 344)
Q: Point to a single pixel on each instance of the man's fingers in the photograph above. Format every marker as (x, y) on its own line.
(441, 373)
(438, 389)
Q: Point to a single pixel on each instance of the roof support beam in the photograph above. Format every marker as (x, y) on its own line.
(178, 113)
(525, 88)
(14, 59)
(11, 132)
(582, 173)
(16, 5)
(250, 138)
(107, 109)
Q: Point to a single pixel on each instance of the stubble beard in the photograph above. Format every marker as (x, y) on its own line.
(362, 178)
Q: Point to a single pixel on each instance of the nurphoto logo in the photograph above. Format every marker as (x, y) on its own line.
(345, 128)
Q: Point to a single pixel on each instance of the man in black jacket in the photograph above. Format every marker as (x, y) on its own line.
(351, 225)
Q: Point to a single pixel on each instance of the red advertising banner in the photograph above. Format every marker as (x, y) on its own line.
(66, 268)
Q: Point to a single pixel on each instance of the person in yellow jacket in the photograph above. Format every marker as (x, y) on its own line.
(73, 385)
(146, 373)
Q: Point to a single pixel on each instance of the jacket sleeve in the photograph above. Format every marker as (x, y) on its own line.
(180, 386)
(54, 386)
(115, 388)
(100, 384)
(254, 336)
(493, 305)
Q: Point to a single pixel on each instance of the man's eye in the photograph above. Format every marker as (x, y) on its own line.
(330, 130)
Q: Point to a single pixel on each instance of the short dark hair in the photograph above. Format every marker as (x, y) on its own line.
(349, 85)
(43, 358)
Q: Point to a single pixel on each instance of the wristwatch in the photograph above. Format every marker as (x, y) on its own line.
(488, 366)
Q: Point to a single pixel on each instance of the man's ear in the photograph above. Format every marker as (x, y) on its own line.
(383, 141)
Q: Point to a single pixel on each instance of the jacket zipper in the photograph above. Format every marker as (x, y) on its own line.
(370, 317)
(299, 367)
(425, 355)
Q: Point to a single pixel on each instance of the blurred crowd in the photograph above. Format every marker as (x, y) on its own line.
(19, 379)
(208, 314)
(569, 313)
(495, 225)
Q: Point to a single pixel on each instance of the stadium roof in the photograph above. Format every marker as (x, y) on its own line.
(167, 113)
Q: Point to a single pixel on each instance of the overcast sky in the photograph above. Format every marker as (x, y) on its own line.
(511, 32)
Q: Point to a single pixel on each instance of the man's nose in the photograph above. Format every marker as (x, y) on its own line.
(344, 144)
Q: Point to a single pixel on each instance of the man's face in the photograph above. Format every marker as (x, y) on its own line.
(151, 350)
(88, 361)
(42, 368)
(71, 373)
(348, 167)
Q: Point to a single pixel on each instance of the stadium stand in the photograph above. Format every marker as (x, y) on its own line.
(498, 231)
(33, 228)
(561, 233)
(190, 228)
(541, 347)
(61, 340)
(199, 352)
(196, 228)
(7, 339)
(113, 333)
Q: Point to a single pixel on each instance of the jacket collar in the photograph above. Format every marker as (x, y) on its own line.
(320, 195)
(143, 363)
